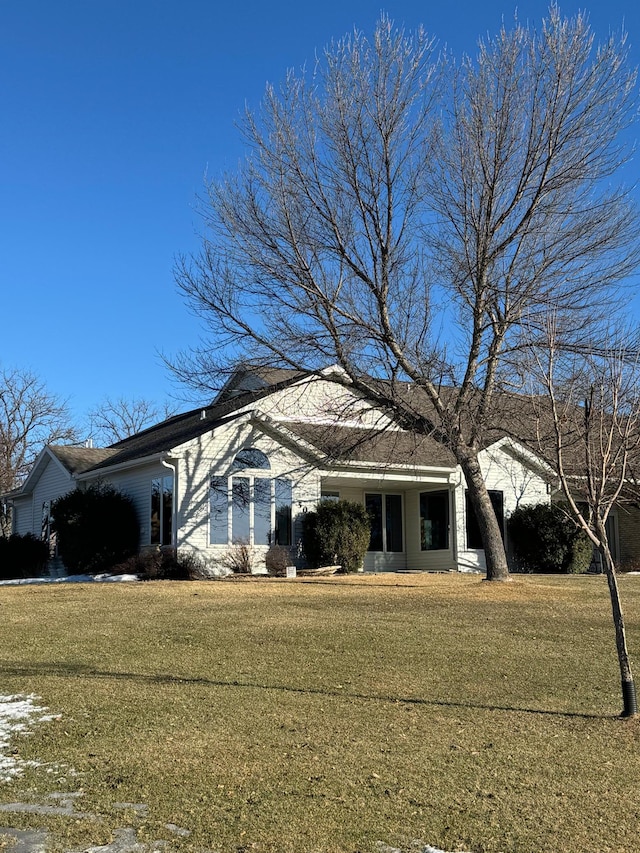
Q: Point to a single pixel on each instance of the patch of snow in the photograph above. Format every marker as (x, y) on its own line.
(17, 715)
(417, 846)
(430, 849)
(104, 578)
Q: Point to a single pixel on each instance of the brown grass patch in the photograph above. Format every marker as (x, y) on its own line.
(329, 714)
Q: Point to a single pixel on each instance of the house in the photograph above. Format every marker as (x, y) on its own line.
(270, 446)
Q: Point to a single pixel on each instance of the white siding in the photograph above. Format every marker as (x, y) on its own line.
(54, 482)
(320, 400)
(136, 484)
(22, 515)
(212, 454)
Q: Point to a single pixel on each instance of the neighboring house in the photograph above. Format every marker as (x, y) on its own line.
(270, 446)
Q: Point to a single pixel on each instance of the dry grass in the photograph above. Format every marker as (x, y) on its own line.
(327, 715)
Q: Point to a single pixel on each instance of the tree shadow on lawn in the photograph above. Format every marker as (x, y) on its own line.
(85, 671)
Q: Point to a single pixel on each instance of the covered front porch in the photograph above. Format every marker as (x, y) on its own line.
(412, 517)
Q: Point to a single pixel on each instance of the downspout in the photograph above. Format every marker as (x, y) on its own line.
(174, 502)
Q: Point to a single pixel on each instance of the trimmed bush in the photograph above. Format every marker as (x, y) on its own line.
(22, 557)
(277, 559)
(97, 528)
(337, 533)
(545, 539)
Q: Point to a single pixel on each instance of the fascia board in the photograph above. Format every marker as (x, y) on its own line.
(94, 473)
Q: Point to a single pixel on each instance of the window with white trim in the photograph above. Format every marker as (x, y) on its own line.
(250, 507)
(162, 511)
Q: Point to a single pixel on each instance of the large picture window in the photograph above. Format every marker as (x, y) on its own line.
(434, 520)
(474, 539)
(250, 507)
(385, 513)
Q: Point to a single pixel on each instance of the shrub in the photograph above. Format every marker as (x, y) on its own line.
(277, 560)
(165, 564)
(337, 533)
(97, 528)
(22, 557)
(239, 559)
(545, 539)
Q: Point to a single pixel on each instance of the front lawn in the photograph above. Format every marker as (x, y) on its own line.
(326, 715)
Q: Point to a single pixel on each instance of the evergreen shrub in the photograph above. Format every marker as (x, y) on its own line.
(337, 533)
(97, 528)
(22, 557)
(545, 539)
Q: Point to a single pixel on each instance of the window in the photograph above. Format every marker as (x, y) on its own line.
(262, 511)
(329, 496)
(250, 457)
(162, 510)
(434, 520)
(45, 533)
(283, 494)
(474, 539)
(250, 508)
(385, 512)
(240, 509)
(219, 511)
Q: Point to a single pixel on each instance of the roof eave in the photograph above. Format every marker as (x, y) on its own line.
(96, 470)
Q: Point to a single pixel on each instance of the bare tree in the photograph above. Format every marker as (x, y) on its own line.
(594, 402)
(406, 217)
(112, 420)
(30, 417)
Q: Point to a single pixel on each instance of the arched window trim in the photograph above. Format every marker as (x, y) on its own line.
(250, 459)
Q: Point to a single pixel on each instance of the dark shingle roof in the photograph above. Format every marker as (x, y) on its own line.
(79, 459)
(514, 416)
(181, 428)
(388, 447)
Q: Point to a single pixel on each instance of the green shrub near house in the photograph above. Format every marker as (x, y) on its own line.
(337, 533)
(22, 556)
(96, 528)
(545, 539)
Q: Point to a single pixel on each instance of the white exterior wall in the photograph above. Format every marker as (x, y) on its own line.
(518, 482)
(53, 483)
(212, 454)
(317, 401)
(321, 401)
(136, 484)
(22, 515)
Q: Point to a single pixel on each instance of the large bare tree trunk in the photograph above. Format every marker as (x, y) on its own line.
(494, 551)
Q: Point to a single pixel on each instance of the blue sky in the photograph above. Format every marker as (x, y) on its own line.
(111, 112)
